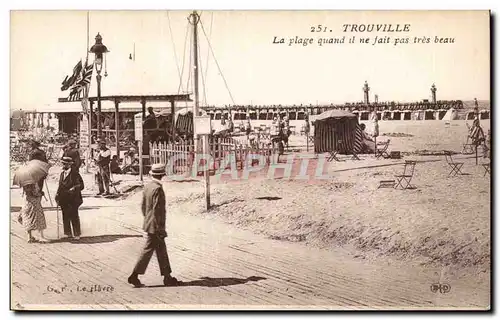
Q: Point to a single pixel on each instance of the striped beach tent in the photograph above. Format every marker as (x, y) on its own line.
(332, 126)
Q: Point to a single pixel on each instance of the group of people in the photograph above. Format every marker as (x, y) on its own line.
(68, 196)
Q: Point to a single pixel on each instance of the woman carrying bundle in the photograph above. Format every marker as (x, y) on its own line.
(31, 215)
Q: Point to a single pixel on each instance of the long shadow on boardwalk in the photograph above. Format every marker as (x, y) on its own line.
(215, 282)
(98, 239)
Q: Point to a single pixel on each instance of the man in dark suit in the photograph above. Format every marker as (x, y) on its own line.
(154, 212)
(38, 154)
(69, 197)
(74, 154)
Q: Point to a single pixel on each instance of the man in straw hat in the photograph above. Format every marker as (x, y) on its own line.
(69, 198)
(154, 212)
(103, 160)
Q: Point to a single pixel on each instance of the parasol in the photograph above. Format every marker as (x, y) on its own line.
(30, 173)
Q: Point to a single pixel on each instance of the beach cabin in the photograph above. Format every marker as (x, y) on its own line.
(396, 115)
(470, 115)
(252, 113)
(263, 114)
(386, 115)
(364, 115)
(484, 114)
(439, 114)
(406, 115)
(429, 114)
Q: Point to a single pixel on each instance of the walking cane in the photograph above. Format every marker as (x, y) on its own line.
(51, 205)
(48, 192)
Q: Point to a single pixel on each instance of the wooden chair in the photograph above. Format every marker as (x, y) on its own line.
(404, 180)
(487, 168)
(455, 166)
(382, 149)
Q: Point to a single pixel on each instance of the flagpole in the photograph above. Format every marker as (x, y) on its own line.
(89, 112)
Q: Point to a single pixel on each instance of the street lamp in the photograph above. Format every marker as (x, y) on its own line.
(99, 50)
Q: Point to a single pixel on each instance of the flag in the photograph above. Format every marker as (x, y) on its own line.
(70, 80)
(80, 89)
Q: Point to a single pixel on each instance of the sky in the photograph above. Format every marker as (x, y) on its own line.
(45, 46)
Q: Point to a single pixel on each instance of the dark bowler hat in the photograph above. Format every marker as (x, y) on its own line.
(67, 160)
(157, 169)
(71, 142)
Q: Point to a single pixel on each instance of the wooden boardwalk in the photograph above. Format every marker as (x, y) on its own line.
(222, 267)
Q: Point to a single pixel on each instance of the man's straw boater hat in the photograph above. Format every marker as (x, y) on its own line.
(157, 169)
(67, 160)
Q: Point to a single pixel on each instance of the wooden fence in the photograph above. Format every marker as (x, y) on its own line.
(180, 158)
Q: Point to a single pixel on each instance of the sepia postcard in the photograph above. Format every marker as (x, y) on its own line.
(250, 160)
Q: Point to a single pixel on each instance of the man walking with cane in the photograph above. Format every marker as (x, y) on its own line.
(69, 198)
(154, 212)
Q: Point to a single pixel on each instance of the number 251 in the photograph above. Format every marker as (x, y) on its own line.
(319, 28)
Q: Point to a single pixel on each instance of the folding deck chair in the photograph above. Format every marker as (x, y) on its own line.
(351, 152)
(402, 180)
(455, 166)
(487, 168)
(334, 153)
(333, 156)
(382, 152)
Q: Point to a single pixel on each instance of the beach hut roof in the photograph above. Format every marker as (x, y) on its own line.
(335, 114)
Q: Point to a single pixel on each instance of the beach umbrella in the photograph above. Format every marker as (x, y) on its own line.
(30, 173)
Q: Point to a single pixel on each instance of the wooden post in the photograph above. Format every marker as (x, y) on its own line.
(172, 111)
(89, 152)
(206, 152)
(140, 161)
(117, 128)
(307, 141)
(476, 154)
(143, 104)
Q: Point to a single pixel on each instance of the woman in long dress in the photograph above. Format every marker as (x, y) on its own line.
(31, 215)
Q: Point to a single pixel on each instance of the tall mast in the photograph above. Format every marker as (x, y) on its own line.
(195, 58)
(195, 19)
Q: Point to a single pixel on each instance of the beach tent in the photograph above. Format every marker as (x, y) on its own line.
(332, 126)
(451, 114)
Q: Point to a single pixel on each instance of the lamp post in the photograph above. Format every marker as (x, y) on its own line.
(99, 49)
